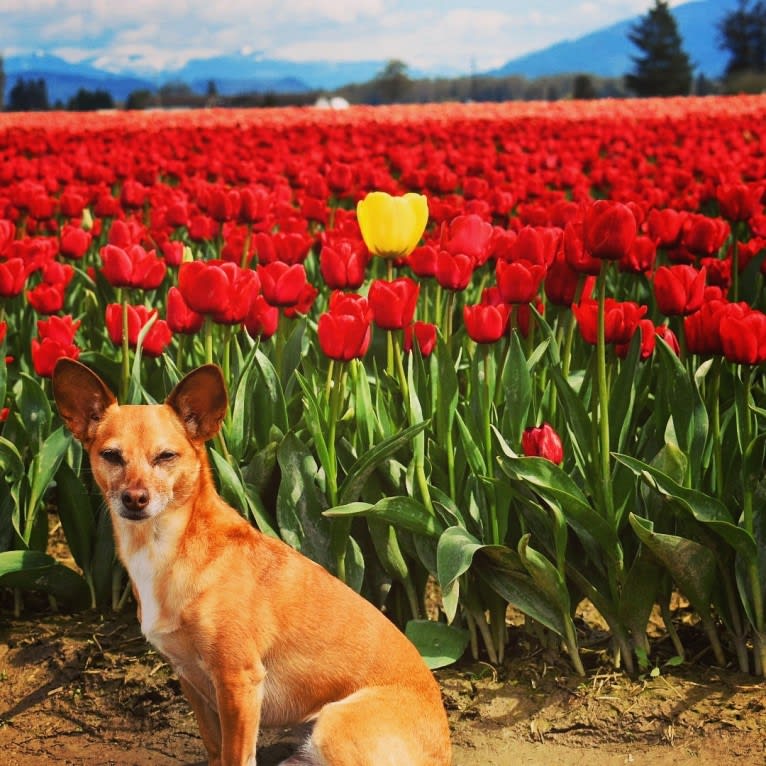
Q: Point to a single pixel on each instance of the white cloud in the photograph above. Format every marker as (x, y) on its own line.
(430, 34)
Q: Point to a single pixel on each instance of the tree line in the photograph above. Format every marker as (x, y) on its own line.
(660, 67)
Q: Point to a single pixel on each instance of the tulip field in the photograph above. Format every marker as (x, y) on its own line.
(478, 356)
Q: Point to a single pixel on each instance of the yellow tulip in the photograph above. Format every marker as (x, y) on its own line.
(392, 226)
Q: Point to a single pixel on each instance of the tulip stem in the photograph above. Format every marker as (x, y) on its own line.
(487, 415)
(716, 426)
(207, 330)
(603, 394)
(125, 377)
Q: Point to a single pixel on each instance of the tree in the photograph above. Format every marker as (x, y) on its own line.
(742, 32)
(90, 100)
(393, 81)
(582, 87)
(28, 95)
(142, 98)
(663, 67)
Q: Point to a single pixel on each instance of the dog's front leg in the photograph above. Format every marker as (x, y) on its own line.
(207, 721)
(239, 695)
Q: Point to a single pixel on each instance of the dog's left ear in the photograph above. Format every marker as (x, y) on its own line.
(200, 401)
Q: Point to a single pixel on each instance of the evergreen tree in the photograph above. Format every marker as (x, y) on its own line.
(663, 67)
(28, 95)
(90, 100)
(742, 32)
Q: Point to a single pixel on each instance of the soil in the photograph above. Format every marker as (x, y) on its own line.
(88, 690)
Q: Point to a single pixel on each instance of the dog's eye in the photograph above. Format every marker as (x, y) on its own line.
(165, 456)
(113, 456)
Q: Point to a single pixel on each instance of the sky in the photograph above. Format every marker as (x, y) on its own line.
(431, 36)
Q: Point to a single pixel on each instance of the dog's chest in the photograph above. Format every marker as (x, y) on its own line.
(156, 620)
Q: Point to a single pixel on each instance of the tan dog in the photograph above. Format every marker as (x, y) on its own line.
(257, 633)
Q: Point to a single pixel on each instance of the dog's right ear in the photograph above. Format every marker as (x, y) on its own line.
(81, 396)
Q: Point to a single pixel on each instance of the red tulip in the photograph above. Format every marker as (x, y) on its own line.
(422, 333)
(561, 282)
(393, 303)
(486, 323)
(519, 282)
(702, 329)
(609, 229)
(155, 341)
(467, 235)
(221, 289)
(575, 253)
(13, 276)
(543, 441)
(133, 267)
(46, 298)
(282, 284)
(738, 202)
(344, 331)
(342, 263)
(180, 317)
(743, 336)
(56, 339)
(75, 242)
(453, 272)
(666, 226)
(704, 236)
(679, 289)
(620, 320)
(262, 318)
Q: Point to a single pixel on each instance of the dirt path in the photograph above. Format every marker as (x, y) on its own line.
(87, 692)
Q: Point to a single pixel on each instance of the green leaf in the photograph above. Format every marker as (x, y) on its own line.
(577, 422)
(470, 443)
(557, 487)
(501, 568)
(679, 393)
(704, 508)
(268, 404)
(401, 511)
(454, 554)
(621, 405)
(34, 408)
(316, 423)
(691, 565)
(74, 510)
(447, 398)
(439, 644)
(545, 575)
(239, 423)
(11, 463)
(232, 486)
(41, 472)
(517, 389)
(300, 503)
(359, 473)
(37, 571)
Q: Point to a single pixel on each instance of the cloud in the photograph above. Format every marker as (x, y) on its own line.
(436, 35)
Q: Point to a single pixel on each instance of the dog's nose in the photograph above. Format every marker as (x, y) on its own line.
(135, 499)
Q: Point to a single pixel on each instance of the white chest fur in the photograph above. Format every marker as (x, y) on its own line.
(142, 571)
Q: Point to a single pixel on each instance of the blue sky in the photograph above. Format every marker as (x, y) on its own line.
(451, 35)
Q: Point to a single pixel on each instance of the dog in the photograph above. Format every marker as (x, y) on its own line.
(258, 634)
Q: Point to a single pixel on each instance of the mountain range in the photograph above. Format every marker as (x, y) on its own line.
(605, 53)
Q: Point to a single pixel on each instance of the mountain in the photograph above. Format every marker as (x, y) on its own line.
(607, 52)
(63, 78)
(232, 74)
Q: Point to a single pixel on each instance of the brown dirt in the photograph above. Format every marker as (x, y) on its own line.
(82, 690)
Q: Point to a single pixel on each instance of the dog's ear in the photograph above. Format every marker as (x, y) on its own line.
(200, 401)
(81, 396)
